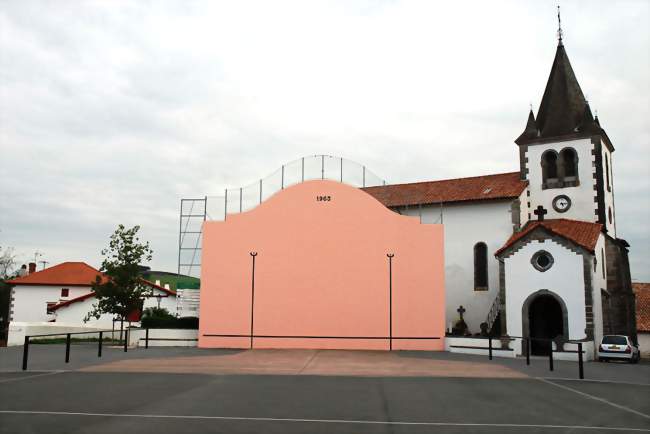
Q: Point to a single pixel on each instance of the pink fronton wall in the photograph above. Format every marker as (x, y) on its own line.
(322, 274)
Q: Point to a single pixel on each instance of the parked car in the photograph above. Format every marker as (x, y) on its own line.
(618, 347)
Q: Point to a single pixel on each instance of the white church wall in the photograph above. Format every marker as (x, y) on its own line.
(598, 284)
(565, 279)
(466, 224)
(583, 206)
(523, 207)
(29, 302)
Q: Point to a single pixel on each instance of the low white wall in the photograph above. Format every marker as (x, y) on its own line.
(164, 337)
(480, 346)
(477, 346)
(18, 330)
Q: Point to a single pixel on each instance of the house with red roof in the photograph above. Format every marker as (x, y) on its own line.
(63, 294)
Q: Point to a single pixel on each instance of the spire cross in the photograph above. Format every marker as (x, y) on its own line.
(559, 26)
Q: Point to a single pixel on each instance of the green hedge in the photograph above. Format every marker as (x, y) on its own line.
(154, 322)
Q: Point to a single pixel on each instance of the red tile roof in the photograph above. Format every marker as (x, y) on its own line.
(488, 187)
(70, 274)
(584, 234)
(64, 274)
(642, 293)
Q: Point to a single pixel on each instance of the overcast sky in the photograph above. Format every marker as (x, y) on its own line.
(110, 112)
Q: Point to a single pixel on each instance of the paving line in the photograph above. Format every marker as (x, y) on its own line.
(591, 380)
(27, 377)
(587, 395)
(330, 421)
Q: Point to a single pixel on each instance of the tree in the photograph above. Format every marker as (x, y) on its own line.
(7, 262)
(120, 290)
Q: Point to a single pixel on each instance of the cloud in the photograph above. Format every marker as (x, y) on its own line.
(110, 112)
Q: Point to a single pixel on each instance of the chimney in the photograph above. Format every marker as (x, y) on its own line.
(32, 267)
(166, 285)
(157, 282)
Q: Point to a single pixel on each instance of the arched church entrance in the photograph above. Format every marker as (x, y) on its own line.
(546, 320)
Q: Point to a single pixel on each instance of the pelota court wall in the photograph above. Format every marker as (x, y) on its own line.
(322, 275)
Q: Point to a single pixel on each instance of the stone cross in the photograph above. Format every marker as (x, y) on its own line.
(461, 310)
(540, 212)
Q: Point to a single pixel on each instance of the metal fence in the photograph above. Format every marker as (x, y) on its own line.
(123, 341)
(194, 211)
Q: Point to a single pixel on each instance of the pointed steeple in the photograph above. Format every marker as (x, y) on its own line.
(588, 124)
(563, 104)
(531, 131)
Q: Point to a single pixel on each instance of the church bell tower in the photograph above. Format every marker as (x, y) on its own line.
(565, 154)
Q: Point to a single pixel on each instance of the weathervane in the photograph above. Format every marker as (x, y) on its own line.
(559, 26)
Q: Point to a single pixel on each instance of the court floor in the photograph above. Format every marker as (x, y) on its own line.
(331, 392)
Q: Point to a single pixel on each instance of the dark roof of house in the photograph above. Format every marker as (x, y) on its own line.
(487, 187)
(564, 110)
(64, 274)
(642, 294)
(583, 234)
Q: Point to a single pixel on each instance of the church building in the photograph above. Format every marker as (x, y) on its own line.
(535, 251)
(527, 254)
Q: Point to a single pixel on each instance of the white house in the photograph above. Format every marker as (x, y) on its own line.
(63, 294)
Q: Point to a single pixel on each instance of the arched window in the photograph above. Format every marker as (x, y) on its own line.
(549, 167)
(569, 163)
(480, 267)
(609, 185)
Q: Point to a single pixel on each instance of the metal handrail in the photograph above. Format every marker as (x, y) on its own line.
(68, 341)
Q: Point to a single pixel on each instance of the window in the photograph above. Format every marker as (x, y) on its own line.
(480, 267)
(569, 163)
(65, 292)
(609, 186)
(542, 260)
(602, 261)
(560, 170)
(614, 340)
(48, 308)
(609, 214)
(549, 167)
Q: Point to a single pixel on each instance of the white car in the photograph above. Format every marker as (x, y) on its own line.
(618, 347)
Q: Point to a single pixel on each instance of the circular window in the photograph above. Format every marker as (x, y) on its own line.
(542, 260)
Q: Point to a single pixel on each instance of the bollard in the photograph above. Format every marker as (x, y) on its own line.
(126, 339)
(25, 352)
(490, 347)
(99, 347)
(146, 339)
(581, 372)
(527, 351)
(550, 357)
(67, 348)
